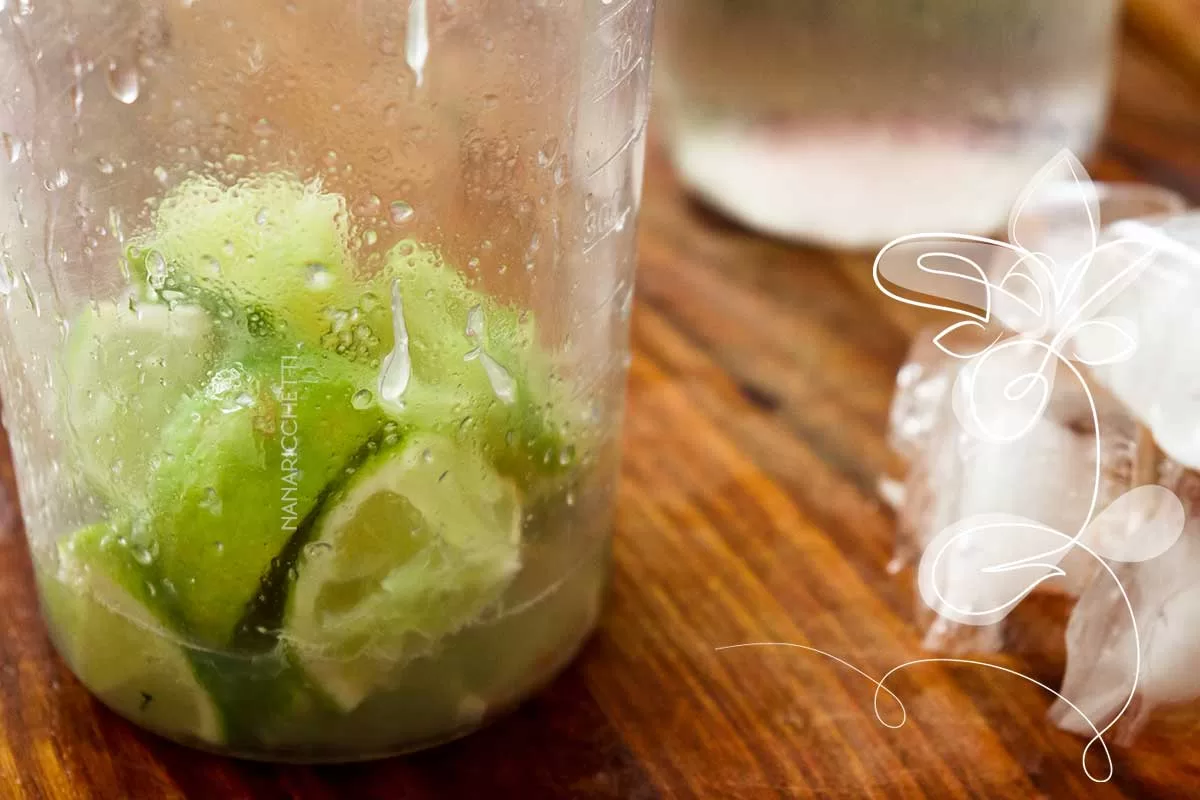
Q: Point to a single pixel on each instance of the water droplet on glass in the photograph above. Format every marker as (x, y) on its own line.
(387, 46)
(401, 212)
(8, 280)
(475, 321)
(362, 399)
(503, 385)
(227, 248)
(123, 81)
(369, 207)
(156, 269)
(625, 309)
(105, 166)
(261, 217)
(57, 181)
(244, 400)
(211, 502)
(391, 114)
(256, 58)
(262, 129)
(317, 549)
(416, 40)
(548, 153)
(161, 175)
(397, 367)
(370, 238)
(566, 456)
(319, 277)
(11, 147)
(473, 263)
(142, 555)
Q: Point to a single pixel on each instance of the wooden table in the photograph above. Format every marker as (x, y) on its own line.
(748, 512)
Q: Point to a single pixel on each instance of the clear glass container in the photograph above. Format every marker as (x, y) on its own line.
(315, 329)
(852, 122)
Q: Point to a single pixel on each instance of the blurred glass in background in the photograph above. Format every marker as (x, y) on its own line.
(852, 122)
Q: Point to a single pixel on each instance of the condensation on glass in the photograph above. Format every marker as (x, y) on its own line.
(853, 122)
(315, 322)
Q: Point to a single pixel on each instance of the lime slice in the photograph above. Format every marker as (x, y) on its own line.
(417, 546)
(106, 627)
(269, 252)
(126, 369)
(477, 373)
(244, 462)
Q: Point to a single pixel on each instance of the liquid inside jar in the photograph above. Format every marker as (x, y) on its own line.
(348, 509)
(852, 123)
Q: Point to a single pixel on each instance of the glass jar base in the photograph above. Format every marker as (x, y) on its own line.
(476, 676)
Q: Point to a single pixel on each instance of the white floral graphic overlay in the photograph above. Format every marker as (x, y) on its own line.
(1027, 313)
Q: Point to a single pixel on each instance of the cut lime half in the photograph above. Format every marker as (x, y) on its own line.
(109, 631)
(244, 461)
(127, 368)
(269, 252)
(418, 545)
(476, 370)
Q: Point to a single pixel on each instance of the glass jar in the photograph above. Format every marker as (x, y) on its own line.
(852, 122)
(315, 332)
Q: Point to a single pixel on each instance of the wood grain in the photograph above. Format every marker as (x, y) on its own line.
(758, 400)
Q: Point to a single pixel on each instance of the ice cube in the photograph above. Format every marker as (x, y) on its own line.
(917, 421)
(1103, 653)
(1046, 475)
(1159, 383)
(922, 391)
(1059, 222)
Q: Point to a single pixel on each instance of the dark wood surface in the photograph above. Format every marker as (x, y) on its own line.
(748, 512)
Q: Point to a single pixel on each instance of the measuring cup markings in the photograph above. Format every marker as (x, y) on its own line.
(616, 12)
(603, 219)
(618, 80)
(620, 54)
(611, 122)
(617, 68)
(634, 136)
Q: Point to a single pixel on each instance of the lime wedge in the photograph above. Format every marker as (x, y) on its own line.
(269, 252)
(417, 546)
(244, 462)
(477, 372)
(105, 623)
(126, 370)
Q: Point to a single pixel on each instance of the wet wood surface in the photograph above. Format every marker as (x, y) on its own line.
(748, 512)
